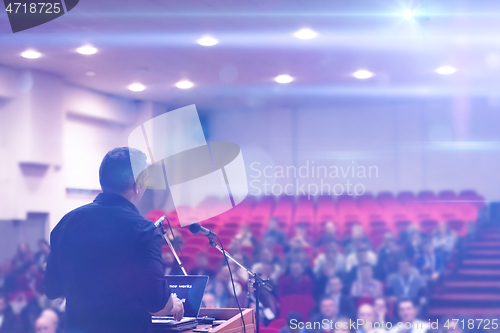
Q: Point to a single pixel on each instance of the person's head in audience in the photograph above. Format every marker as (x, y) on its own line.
(239, 257)
(296, 270)
(202, 260)
(43, 246)
(380, 308)
(223, 274)
(268, 242)
(365, 272)
(266, 256)
(23, 254)
(220, 290)
(209, 300)
(328, 271)
(442, 229)
(357, 231)
(328, 308)
(415, 239)
(362, 254)
(330, 228)
(407, 310)
(273, 224)
(342, 325)
(235, 245)
(331, 252)
(334, 286)
(388, 240)
(266, 270)
(3, 303)
(47, 322)
(116, 175)
(366, 313)
(293, 318)
(428, 248)
(301, 231)
(404, 267)
(168, 258)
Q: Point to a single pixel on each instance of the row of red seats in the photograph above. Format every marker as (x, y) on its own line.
(384, 212)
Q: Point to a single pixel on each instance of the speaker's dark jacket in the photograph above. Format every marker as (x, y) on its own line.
(106, 260)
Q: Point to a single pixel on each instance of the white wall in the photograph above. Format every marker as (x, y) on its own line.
(416, 145)
(53, 137)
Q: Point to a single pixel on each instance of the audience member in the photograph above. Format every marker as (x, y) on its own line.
(201, 267)
(361, 255)
(366, 320)
(328, 236)
(292, 318)
(356, 240)
(170, 264)
(444, 240)
(407, 312)
(321, 281)
(387, 257)
(301, 237)
(23, 258)
(406, 283)
(342, 325)
(220, 294)
(9, 321)
(344, 303)
(296, 281)
(328, 312)
(381, 311)
(224, 278)
(274, 233)
(366, 285)
(430, 264)
(413, 248)
(209, 301)
(266, 257)
(245, 237)
(42, 254)
(331, 257)
(47, 322)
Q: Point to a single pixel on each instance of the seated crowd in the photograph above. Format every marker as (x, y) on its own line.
(329, 277)
(313, 279)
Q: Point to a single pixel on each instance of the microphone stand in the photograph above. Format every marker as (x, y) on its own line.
(164, 234)
(257, 283)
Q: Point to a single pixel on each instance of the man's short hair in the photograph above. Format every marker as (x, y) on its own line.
(115, 172)
(405, 300)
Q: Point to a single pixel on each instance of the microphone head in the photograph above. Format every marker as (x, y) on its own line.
(194, 227)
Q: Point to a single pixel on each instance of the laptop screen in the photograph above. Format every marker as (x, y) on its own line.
(190, 290)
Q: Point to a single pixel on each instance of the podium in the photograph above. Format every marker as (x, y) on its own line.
(232, 317)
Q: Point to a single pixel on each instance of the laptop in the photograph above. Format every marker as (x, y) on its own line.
(189, 289)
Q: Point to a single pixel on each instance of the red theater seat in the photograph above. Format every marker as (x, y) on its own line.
(278, 323)
(301, 304)
(264, 329)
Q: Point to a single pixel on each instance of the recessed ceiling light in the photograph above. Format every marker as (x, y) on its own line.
(408, 14)
(207, 41)
(90, 73)
(305, 33)
(362, 74)
(446, 70)
(86, 49)
(136, 87)
(185, 84)
(283, 78)
(30, 54)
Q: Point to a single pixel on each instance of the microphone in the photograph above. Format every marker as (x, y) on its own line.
(160, 221)
(196, 228)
